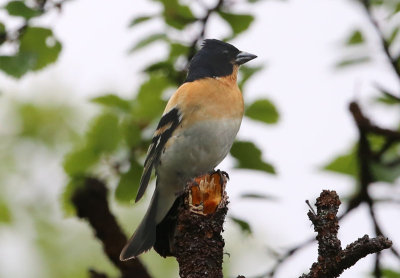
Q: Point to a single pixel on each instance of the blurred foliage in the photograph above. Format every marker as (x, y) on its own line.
(242, 224)
(34, 135)
(5, 216)
(33, 47)
(248, 156)
(385, 157)
(48, 123)
(263, 110)
(344, 164)
(388, 273)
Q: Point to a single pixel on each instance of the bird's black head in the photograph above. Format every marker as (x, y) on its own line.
(216, 59)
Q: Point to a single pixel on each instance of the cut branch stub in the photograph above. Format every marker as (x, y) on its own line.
(326, 224)
(206, 193)
(198, 244)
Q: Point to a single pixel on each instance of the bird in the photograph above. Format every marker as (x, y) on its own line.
(195, 133)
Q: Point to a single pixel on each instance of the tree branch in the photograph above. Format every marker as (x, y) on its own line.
(332, 259)
(198, 244)
(367, 126)
(91, 204)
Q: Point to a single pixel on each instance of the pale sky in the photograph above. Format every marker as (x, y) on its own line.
(300, 41)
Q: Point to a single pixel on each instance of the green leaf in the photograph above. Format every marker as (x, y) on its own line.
(5, 214)
(148, 40)
(248, 156)
(177, 50)
(113, 101)
(69, 190)
(38, 48)
(344, 164)
(177, 15)
(246, 73)
(352, 61)
(243, 225)
(102, 137)
(385, 173)
(388, 98)
(389, 273)
(18, 8)
(104, 134)
(258, 196)
(131, 132)
(376, 2)
(396, 9)
(140, 19)
(129, 183)
(17, 65)
(355, 38)
(41, 43)
(164, 67)
(393, 35)
(264, 111)
(148, 104)
(384, 170)
(237, 22)
(376, 142)
(3, 34)
(78, 161)
(51, 124)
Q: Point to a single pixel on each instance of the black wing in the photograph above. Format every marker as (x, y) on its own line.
(168, 123)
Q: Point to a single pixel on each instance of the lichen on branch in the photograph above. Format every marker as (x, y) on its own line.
(332, 259)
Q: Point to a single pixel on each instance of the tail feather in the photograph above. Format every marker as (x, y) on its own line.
(145, 236)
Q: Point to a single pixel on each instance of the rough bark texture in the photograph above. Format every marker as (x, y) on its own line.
(198, 244)
(332, 260)
(91, 204)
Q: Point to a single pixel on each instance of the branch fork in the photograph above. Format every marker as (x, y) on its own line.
(332, 259)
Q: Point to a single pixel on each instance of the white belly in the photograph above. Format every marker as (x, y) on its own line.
(196, 150)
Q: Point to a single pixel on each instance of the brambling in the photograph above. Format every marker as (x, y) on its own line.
(194, 135)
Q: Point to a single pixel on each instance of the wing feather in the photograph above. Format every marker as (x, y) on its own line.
(168, 123)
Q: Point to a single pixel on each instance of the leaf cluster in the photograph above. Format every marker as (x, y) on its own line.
(34, 47)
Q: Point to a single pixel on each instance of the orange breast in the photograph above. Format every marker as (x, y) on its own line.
(208, 99)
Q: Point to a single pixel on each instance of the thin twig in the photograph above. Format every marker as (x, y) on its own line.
(203, 21)
(384, 43)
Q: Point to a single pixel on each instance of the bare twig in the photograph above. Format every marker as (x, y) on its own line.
(203, 21)
(286, 256)
(384, 42)
(91, 204)
(367, 126)
(332, 259)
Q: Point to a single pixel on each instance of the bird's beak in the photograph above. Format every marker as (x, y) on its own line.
(244, 57)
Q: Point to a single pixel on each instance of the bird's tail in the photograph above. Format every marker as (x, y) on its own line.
(145, 235)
